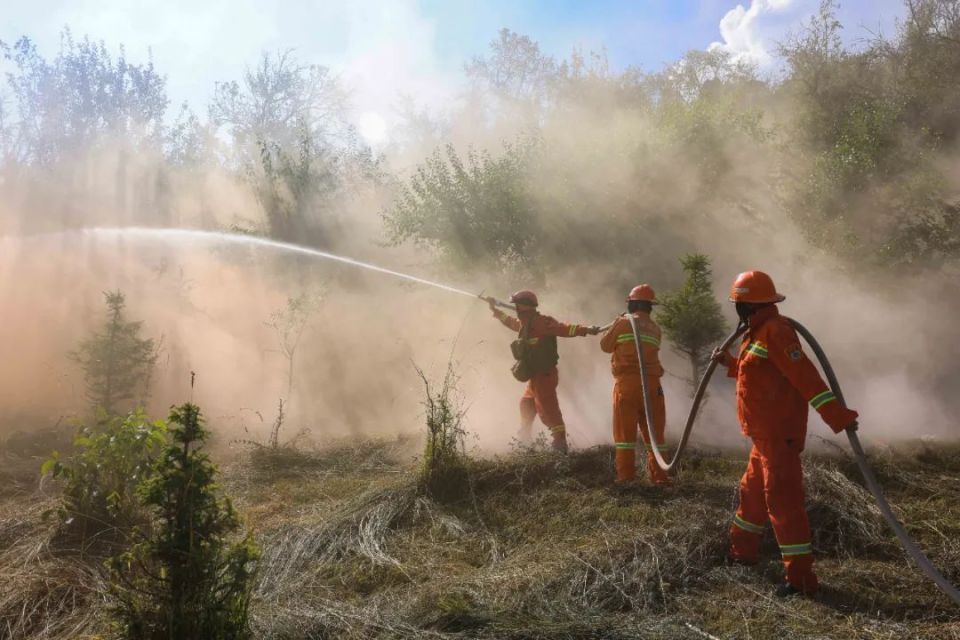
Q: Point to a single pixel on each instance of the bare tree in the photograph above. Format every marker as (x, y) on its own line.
(289, 324)
(276, 101)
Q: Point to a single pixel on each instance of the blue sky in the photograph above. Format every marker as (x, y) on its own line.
(384, 47)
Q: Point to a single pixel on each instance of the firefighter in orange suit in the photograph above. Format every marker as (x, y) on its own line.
(540, 332)
(628, 409)
(775, 382)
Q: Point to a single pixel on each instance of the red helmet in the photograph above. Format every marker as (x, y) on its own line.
(755, 287)
(642, 293)
(524, 297)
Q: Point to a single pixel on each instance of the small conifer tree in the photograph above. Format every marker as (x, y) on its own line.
(691, 316)
(186, 580)
(116, 361)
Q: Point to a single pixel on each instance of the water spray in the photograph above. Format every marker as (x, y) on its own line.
(242, 239)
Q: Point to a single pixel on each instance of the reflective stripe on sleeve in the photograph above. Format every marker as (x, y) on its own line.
(822, 398)
(757, 349)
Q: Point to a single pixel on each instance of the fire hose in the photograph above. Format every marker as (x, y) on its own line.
(909, 546)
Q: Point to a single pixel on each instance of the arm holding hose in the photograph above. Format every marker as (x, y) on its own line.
(726, 359)
(915, 553)
(788, 356)
(608, 343)
(506, 320)
(552, 327)
(559, 329)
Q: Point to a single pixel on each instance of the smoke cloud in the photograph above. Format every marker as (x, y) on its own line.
(891, 338)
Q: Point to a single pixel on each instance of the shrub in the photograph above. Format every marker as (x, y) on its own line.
(443, 474)
(100, 478)
(186, 580)
(473, 211)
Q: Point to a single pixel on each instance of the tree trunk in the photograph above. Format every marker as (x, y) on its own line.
(694, 375)
(289, 377)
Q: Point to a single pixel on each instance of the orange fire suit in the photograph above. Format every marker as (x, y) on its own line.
(775, 381)
(540, 396)
(628, 409)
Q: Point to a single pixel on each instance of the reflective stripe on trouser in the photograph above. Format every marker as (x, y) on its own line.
(540, 399)
(771, 490)
(628, 416)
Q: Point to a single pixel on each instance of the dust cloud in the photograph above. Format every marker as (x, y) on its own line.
(892, 339)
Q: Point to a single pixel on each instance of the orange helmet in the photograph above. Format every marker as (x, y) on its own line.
(524, 297)
(755, 287)
(642, 293)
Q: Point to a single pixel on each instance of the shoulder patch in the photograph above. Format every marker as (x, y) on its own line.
(795, 352)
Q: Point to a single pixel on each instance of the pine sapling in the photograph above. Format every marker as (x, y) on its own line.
(186, 580)
(116, 361)
(691, 316)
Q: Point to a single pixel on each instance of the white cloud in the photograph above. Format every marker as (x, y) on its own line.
(742, 31)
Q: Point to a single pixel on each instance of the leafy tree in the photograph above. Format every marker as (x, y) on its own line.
(519, 84)
(702, 74)
(927, 58)
(292, 140)
(475, 211)
(295, 185)
(926, 232)
(516, 71)
(189, 142)
(277, 100)
(80, 98)
(869, 128)
(186, 580)
(99, 503)
(587, 81)
(691, 316)
(117, 363)
(814, 53)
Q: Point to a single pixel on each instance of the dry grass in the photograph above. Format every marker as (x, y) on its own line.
(45, 592)
(536, 547)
